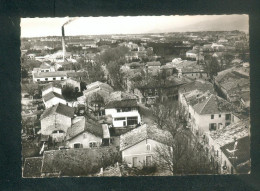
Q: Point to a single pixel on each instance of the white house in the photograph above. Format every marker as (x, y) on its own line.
(138, 145)
(84, 133)
(51, 87)
(56, 120)
(124, 112)
(192, 54)
(50, 76)
(209, 114)
(52, 98)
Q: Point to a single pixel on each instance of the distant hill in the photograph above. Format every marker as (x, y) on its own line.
(233, 22)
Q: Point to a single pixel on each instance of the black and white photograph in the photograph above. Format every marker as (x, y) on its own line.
(135, 96)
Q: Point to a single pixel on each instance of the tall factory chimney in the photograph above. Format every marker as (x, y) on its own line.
(63, 43)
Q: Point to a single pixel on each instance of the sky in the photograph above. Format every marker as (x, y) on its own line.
(37, 27)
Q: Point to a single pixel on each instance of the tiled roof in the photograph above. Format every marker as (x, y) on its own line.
(141, 133)
(227, 134)
(119, 95)
(51, 74)
(76, 162)
(59, 109)
(83, 125)
(242, 154)
(51, 95)
(50, 85)
(200, 85)
(32, 167)
(122, 104)
(213, 105)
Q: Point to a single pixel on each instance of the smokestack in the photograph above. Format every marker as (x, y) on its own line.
(63, 43)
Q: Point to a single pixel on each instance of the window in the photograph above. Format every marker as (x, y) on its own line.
(132, 120)
(62, 78)
(54, 78)
(189, 115)
(134, 161)
(219, 115)
(118, 110)
(42, 70)
(93, 144)
(46, 79)
(227, 124)
(212, 126)
(84, 135)
(148, 147)
(228, 116)
(212, 116)
(77, 145)
(38, 80)
(119, 119)
(148, 160)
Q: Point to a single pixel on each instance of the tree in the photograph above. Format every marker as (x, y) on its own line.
(96, 101)
(24, 73)
(211, 66)
(69, 93)
(31, 89)
(180, 153)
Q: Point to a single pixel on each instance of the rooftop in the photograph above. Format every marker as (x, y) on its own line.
(242, 154)
(58, 109)
(83, 125)
(227, 134)
(77, 162)
(200, 85)
(51, 74)
(120, 95)
(50, 85)
(213, 105)
(122, 104)
(142, 133)
(32, 167)
(51, 95)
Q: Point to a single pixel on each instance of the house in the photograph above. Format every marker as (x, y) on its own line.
(217, 47)
(193, 54)
(199, 85)
(229, 148)
(45, 67)
(51, 87)
(210, 113)
(124, 112)
(31, 56)
(52, 98)
(231, 83)
(56, 120)
(138, 145)
(84, 133)
(50, 76)
(96, 95)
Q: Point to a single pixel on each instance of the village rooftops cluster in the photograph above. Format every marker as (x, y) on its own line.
(141, 133)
